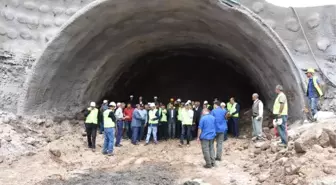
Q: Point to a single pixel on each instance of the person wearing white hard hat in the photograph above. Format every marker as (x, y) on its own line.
(91, 125)
(109, 129)
(131, 101)
(314, 92)
(206, 105)
(153, 121)
(187, 122)
(120, 123)
(223, 105)
(103, 107)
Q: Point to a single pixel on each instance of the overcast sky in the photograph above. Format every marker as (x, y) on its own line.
(302, 3)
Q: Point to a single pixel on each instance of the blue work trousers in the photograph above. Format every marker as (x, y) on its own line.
(313, 102)
(135, 133)
(235, 126)
(119, 131)
(108, 140)
(282, 130)
(152, 129)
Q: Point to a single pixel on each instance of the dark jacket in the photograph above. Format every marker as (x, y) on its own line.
(197, 115)
(112, 116)
(169, 117)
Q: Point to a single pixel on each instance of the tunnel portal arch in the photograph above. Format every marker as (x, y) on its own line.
(83, 60)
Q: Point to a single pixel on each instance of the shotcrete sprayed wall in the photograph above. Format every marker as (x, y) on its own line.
(74, 52)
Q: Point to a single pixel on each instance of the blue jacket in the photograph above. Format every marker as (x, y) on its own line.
(137, 119)
(312, 92)
(221, 124)
(208, 127)
(144, 115)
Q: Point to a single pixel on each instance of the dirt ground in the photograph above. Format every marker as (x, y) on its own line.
(44, 154)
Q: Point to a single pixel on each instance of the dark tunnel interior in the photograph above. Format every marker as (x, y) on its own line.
(186, 73)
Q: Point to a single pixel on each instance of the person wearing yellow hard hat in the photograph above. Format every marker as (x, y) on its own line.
(314, 91)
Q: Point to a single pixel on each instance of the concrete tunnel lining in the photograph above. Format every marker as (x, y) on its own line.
(81, 63)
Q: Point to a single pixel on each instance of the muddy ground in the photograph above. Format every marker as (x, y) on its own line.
(43, 154)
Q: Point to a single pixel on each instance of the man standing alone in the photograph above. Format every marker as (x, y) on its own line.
(207, 133)
(221, 128)
(280, 111)
(314, 92)
(257, 116)
(91, 124)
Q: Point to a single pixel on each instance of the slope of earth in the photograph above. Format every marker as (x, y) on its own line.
(36, 152)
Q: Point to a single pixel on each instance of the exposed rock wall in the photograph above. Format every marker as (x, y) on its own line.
(26, 27)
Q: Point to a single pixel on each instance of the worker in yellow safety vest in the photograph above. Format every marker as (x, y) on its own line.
(314, 91)
(187, 122)
(109, 129)
(91, 124)
(163, 128)
(233, 115)
(153, 121)
(280, 111)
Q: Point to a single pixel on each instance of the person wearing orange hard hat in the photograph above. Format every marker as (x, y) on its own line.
(314, 91)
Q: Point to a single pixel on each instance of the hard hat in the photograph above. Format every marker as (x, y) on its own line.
(92, 104)
(310, 70)
(188, 102)
(105, 101)
(113, 104)
(171, 99)
(131, 96)
(205, 102)
(155, 97)
(118, 104)
(222, 104)
(152, 104)
(179, 100)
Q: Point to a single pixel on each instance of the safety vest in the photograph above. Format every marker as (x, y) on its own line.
(228, 106)
(163, 114)
(108, 122)
(92, 117)
(316, 85)
(276, 106)
(151, 115)
(179, 114)
(233, 109)
(186, 119)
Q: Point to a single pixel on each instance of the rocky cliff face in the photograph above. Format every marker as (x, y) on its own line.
(28, 27)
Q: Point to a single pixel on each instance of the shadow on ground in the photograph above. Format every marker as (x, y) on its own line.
(158, 174)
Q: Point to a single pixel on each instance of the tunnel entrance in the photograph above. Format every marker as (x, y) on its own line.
(192, 49)
(188, 72)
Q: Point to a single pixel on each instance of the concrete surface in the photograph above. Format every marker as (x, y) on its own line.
(54, 53)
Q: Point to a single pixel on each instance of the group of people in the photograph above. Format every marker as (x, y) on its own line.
(187, 121)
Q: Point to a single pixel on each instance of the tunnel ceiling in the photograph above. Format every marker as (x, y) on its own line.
(102, 39)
